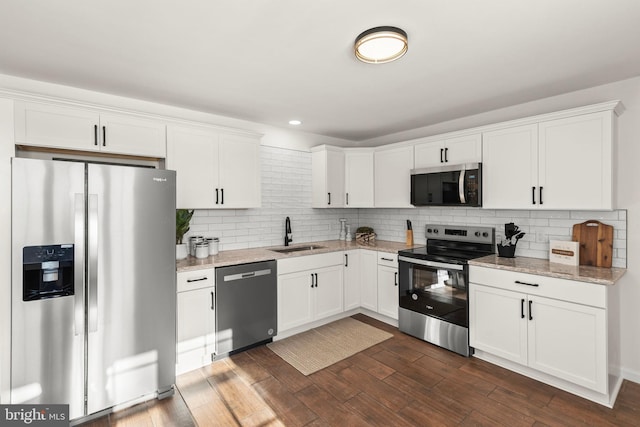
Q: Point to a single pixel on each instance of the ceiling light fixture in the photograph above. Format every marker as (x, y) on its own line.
(381, 44)
(295, 122)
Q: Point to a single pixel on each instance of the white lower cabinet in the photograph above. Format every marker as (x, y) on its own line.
(195, 319)
(351, 279)
(388, 284)
(554, 326)
(310, 288)
(369, 279)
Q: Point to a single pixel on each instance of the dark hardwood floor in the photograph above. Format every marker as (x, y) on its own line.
(399, 382)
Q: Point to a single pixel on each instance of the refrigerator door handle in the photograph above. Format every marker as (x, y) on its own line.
(92, 254)
(78, 267)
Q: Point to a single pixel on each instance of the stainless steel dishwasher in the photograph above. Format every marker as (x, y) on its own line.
(246, 306)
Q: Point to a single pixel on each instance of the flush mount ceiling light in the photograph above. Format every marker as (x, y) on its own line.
(381, 44)
(295, 122)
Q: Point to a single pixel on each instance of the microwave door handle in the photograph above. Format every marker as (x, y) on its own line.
(461, 187)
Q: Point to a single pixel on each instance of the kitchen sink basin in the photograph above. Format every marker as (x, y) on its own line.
(297, 249)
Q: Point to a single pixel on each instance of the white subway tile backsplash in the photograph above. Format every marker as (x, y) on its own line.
(286, 191)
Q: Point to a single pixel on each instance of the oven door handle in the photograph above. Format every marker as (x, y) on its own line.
(431, 263)
(463, 200)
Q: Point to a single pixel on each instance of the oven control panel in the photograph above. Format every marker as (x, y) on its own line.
(461, 233)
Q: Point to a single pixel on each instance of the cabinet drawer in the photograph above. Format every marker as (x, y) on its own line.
(388, 259)
(550, 287)
(198, 279)
(309, 262)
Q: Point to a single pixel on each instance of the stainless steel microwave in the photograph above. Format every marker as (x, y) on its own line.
(450, 185)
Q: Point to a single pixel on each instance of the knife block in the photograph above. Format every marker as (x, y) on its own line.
(409, 240)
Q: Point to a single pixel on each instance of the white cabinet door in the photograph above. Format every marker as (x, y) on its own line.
(498, 323)
(575, 157)
(57, 126)
(359, 179)
(195, 319)
(393, 177)
(369, 279)
(50, 125)
(450, 151)
(568, 341)
(214, 170)
(510, 168)
(122, 134)
(193, 153)
(328, 292)
(388, 295)
(428, 154)
(195, 329)
(463, 149)
(295, 299)
(352, 279)
(239, 171)
(327, 177)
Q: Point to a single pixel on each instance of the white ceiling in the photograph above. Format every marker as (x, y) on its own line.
(270, 61)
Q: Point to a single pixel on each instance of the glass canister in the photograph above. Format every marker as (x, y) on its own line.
(214, 244)
(202, 250)
(193, 241)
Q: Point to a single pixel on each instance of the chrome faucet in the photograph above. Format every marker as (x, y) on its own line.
(287, 232)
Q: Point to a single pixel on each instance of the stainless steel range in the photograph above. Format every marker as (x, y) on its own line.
(433, 284)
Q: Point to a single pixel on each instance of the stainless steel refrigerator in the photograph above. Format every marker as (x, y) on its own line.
(93, 284)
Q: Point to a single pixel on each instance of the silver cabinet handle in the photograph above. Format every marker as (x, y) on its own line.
(386, 259)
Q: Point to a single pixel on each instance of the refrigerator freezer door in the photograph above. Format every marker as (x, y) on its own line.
(47, 335)
(131, 288)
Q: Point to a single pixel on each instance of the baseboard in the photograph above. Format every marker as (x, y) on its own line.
(631, 375)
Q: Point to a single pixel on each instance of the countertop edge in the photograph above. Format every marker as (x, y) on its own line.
(542, 267)
(244, 256)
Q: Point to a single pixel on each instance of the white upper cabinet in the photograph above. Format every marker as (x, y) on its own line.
(575, 162)
(214, 169)
(239, 171)
(393, 177)
(327, 177)
(56, 126)
(450, 151)
(564, 163)
(510, 167)
(359, 179)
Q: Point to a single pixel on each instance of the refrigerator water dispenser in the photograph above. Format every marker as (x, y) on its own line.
(47, 272)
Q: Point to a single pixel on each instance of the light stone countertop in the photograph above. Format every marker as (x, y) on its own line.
(542, 267)
(243, 256)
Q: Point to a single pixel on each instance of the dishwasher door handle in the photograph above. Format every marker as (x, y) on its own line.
(248, 275)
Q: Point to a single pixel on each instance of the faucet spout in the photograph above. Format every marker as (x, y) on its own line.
(287, 232)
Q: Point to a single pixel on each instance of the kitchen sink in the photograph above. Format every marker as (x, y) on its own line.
(297, 249)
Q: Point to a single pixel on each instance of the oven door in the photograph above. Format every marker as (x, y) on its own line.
(434, 289)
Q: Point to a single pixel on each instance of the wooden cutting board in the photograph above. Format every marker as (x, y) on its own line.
(596, 243)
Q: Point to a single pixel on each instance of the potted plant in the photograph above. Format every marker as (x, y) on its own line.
(183, 217)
